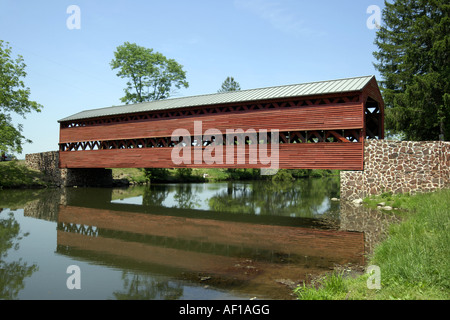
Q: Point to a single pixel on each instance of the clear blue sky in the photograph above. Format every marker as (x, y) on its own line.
(260, 43)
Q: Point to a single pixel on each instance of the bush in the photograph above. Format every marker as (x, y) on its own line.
(183, 173)
(283, 175)
(156, 174)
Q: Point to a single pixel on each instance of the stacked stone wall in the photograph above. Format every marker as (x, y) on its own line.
(399, 167)
(48, 163)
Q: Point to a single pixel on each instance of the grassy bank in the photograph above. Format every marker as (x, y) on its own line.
(413, 260)
(212, 175)
(15, 174)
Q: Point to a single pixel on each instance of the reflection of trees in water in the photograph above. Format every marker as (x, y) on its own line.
(185, 196)
(303, 198)
(155, 195)
(141, 287)
(12, 274)
(300, 198)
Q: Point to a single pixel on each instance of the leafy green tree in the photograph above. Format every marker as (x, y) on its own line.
(150, 75)
(413, 59)
(229, 85)
(156, 174)
(14, 98)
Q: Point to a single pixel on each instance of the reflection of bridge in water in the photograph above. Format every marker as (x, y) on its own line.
(243, 252)
(212, 236)
(201, 244)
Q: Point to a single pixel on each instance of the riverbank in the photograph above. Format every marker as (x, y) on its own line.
(16, 175)
(216, 175)
(413, 260)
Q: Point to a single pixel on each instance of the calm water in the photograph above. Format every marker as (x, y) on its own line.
(175, 241)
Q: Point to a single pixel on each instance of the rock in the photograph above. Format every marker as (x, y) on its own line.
(334, 199)
(286, 282)
(357, 201)
(387, 208)
(381, 204)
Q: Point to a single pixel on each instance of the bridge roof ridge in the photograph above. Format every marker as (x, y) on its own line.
(267, 93)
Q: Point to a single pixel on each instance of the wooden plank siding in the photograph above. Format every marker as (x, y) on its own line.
(321, 117)
(344, 156)
(132, 140)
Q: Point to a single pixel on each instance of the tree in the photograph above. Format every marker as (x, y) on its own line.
(151, 76)
(229, 85)
(14, 98)
(413, 59)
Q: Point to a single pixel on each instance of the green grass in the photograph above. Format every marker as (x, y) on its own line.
(414, 259)
(133, 175)
(399, 201)
(214, 175)
(15, 174)
(326, 287)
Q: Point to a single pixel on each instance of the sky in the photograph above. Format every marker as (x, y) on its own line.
(261, 43)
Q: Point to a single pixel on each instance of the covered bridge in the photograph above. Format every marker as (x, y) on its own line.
(317, 125)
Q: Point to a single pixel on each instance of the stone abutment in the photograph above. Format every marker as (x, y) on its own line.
(48, 163)
(399, 167)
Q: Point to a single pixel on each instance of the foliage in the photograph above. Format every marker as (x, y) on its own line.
(14, 98)
(133, 175)
(413, 259)
(283, 175)
(192, 175)
(14, 174)
(229, 85)
(329, 285)
(397, 201)
(244, 174)
(183, 173)
(150, 75)
(156, 174)
(416, 253)
(413, 59)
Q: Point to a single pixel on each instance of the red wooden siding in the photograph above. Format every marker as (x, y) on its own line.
(372, 90)
(322, 117)
(344, 156)
(305, 123)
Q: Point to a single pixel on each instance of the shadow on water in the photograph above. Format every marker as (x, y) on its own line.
(250, 239)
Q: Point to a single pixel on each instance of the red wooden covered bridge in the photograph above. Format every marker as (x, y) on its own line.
(318, 125)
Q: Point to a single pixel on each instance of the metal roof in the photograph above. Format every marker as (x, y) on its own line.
(294, 90)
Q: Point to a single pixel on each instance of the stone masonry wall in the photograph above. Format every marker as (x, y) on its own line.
(48, 163)
(399, 167)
